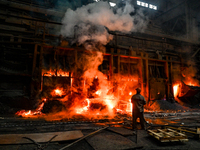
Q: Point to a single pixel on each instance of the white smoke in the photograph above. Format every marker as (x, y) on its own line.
(90, 22)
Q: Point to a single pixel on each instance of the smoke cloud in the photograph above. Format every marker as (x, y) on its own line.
(92, 22)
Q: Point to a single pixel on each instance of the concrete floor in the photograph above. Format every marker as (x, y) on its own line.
(106, 139)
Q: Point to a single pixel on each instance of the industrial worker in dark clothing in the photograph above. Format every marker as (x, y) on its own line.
(138, 102)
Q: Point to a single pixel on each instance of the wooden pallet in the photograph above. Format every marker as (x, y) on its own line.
(168, 135)
(195, 132)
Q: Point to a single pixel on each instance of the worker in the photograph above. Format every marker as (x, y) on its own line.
(138, 101)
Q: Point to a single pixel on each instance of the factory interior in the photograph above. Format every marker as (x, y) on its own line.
(69, 69)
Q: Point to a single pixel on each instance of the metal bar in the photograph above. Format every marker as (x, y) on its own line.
(34, 59)
(175, 24)
(118, 61)
(187, 13)
(111, 63)
(141, 73)
(33, 19)
(40, 67)
(196, 52)
(83, 138)
(147, 76)
(167, 77)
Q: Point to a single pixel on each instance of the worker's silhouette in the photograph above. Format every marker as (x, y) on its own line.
(138, 102)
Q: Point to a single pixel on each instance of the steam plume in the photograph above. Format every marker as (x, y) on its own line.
(92, 21)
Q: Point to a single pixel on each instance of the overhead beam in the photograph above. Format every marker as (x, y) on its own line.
(174, 12)
(31, 8)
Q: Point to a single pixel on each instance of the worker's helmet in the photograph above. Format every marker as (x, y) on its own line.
(138, 89)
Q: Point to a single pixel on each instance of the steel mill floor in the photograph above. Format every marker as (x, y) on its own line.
(117, 135)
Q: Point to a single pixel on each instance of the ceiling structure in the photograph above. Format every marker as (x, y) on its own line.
(176, 19)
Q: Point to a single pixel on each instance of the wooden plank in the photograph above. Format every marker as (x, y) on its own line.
(166, 133)
(122, 131)
(184, 129)
(157, 134)
(40, 137)
(176, 132)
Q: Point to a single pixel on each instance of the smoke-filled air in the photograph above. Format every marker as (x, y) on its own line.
(90, 22)
(92, 93)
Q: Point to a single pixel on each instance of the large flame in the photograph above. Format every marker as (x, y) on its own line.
(91, 94)
(104, 102)
(176, 89)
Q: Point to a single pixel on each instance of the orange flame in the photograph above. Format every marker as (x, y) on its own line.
(109, 103)
(57, 92)
(105, 101)
(176, 89)
(31, 113)
(81, 110)
(191, 82)
(98, 92)
(54, 72)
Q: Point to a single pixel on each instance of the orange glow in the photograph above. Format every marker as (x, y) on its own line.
(176, 89)
(57, 92)
(62, 73)
(102, 98)
(32, 113)
(53, 73)
(81, 110)
(98, 92)
(129, 106)
(191, 83)
(109, 103)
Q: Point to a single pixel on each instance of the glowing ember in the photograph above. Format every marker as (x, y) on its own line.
(130, 93)
(57, 92)
(98, 92)
(31, 113)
